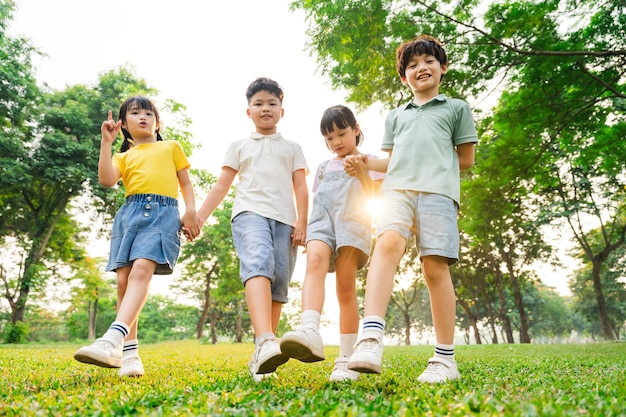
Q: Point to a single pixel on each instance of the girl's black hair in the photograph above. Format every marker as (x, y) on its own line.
(339, 116)
(136, 102)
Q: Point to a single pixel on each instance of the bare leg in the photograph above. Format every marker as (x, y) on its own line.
(318, 256)
(442, 298)
(259, 300)
(387, 254)
(122, 284)
(136, 292)
(346, 269)
(277, 308)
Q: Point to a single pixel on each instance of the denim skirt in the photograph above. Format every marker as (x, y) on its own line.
(147, 226)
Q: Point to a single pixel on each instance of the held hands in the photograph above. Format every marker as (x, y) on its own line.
(298, 238)
(355, 164)
(110, 129)
(191, 226)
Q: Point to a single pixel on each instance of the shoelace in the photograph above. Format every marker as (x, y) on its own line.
(258, 350)
(131, 361)
(340, 366)
(436, 367)
(369, 345)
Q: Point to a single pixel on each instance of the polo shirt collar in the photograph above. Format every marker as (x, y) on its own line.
(440, 97)
(274, 136)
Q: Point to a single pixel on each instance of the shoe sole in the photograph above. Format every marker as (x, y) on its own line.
(297, 350)
(271, 364)
(98, 360)
(365, 367)
(131, 375)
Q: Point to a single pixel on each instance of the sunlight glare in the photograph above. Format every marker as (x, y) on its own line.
(373, 206)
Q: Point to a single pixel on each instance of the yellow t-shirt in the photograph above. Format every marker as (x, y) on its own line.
(151, 168)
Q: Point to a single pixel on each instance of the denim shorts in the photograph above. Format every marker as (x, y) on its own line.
(147, 226)
(264, 249)
(431, 218)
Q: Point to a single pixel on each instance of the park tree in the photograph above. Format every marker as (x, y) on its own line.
(212, 271)
(613, 283)
(555, 70)
(90, 287)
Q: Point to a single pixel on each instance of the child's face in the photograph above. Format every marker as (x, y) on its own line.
(265, 110)
(342, 141)
(423, 74)
(140, 123)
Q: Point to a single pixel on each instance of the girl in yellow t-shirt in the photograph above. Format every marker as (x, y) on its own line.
(145, 239)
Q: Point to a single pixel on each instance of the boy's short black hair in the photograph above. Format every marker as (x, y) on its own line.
(422, 45)
(264, 84)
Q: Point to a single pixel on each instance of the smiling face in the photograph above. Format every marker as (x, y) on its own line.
(423, 74)
(265, 109)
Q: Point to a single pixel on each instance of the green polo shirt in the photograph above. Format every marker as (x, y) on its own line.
(423, 140)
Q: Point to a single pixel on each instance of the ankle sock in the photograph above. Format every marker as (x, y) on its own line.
(372, 327)
(130, 349)
(346, 344)
(116, 333)
(311, 319)
(444, 351)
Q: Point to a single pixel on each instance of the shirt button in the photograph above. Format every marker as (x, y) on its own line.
(146, 214)
(147, 206)
(149, 198)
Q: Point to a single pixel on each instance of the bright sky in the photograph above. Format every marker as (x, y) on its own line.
(203, 55)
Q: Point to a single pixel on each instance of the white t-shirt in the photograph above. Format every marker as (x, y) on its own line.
(265, 166)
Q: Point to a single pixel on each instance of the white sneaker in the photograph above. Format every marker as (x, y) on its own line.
(305, 344)
(439, 370)
(367, 357)
(131, 367)
(101, 353)
(341, 372)
(267, 357)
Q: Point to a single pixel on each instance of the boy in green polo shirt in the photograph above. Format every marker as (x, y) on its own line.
(429, 141)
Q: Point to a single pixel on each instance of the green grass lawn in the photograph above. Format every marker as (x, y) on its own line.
(191, 379)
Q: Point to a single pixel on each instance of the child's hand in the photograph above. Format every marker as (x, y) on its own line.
(187, 234)
(110, 129)
(298, 238)
(352, 163)
(190, 225)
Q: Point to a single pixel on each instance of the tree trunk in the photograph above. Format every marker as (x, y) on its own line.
(603, 314)
(407, 328)
(473, 320)
(524, 335)
(506, 323)
(492, 323)
(93, 315)
(204, 314)
(239, 328)
(213, 326)
(40, 243)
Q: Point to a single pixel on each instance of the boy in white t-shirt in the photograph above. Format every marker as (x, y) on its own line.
(267, 227)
